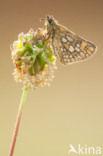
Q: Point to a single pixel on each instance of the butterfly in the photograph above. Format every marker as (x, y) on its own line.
(67, 46)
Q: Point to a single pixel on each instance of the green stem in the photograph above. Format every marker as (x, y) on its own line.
(16, 129)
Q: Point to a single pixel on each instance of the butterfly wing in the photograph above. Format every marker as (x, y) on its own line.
(69, 47)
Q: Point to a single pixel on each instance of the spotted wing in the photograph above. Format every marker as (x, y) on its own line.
(71, 48)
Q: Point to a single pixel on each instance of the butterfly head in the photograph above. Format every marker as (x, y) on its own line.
(50, 20)
(50, 23)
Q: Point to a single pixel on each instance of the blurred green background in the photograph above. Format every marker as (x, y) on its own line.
(71, 110)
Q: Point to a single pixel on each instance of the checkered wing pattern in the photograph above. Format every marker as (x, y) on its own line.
(69, 47)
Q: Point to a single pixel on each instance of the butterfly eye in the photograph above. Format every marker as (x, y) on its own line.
(49, 20)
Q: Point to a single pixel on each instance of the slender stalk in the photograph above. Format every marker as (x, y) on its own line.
(16, 129)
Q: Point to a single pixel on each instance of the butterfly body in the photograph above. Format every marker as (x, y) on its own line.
(68, 47)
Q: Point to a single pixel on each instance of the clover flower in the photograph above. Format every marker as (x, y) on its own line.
(33, 58)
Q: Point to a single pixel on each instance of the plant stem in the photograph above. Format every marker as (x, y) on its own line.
(16, 129)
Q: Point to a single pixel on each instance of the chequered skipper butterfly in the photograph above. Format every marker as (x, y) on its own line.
(68, 47)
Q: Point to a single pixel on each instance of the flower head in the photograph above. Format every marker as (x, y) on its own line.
(33, 58)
